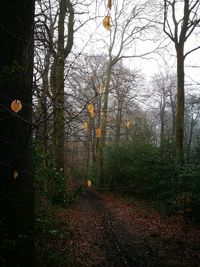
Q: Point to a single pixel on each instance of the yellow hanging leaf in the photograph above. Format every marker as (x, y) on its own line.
(85, 125)
(16, 106)
(15, 174)
(98, 132)
(101, 88)
(90, 107)
(128, 124)
(89, 183)
(106, 23)
(61, 169)
(109, 4)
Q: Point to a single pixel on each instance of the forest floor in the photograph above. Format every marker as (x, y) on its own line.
(110, 231)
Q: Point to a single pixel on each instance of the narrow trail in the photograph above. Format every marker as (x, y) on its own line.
(109, 231)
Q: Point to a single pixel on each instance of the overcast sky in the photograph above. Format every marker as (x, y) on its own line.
(93, 36)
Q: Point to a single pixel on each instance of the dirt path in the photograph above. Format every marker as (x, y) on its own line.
(108, 231)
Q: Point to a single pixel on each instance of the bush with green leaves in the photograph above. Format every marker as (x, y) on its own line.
(51, 234)
(151, 173)
(48, 180)
(140, 165)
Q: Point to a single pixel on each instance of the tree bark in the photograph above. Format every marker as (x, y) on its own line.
(16, 195)
(43, 126)
(104, 125)
(57, 79)
(119, 121)
(180, 104)
(173, 109)
(57, 76)
(162, 117)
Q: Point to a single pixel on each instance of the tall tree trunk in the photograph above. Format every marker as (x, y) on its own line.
(58, 90)
(190, 137)
(119, 121)
(173, 109)
(57, 79)
(93, 146)
(162, 120)
(180, 104)
(43, 126)
(16, 195)
(104, 125)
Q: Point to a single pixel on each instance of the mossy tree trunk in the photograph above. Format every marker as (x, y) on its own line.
(57, 78)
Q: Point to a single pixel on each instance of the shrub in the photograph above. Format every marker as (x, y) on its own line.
(151, 173)
(48, 180)
(139, 164)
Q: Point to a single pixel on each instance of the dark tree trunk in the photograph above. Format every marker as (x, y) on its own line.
(162, 120)
(16, 195)
(102, 140)
(57, 76)
(173, 108)
(57, 79)
(180, 104)
(43, 127)
(119, 121)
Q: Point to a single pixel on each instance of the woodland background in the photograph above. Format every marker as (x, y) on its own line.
(75, 103)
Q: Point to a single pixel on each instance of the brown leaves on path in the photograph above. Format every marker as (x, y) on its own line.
(109, 231)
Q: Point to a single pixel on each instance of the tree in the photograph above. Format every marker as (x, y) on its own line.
(87, 76)
(86, 85)
(57, 77)
(191, 122)
(125, 87)
(16, 184)
(179, 29)
(163, 90)
(54, 37)
(123, 33)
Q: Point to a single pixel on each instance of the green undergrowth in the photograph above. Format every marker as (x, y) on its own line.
(52, 199)
(52, 232)
(139, 170)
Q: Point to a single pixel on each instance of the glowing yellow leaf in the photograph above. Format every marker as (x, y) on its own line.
(106, 23)
(85, 125)
(98, 132)
(16, 106)
(90, 107)
(128, 124)
(109, 4)
(15, 174)
(101, 88)
(89, 183)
